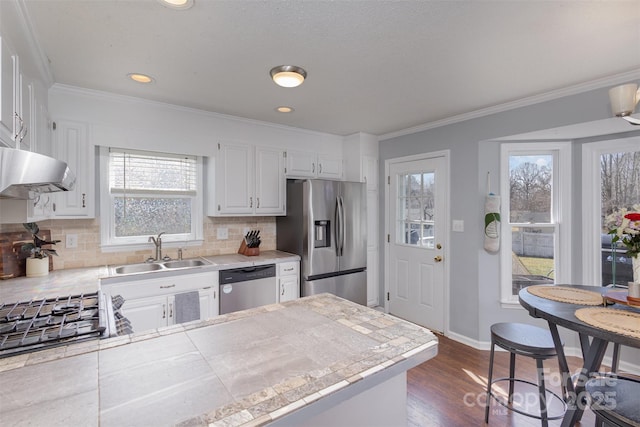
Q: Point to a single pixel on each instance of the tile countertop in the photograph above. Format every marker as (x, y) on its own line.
(83, 280)
(247, 368)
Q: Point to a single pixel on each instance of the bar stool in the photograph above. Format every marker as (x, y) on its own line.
(614, 400)
(524, 340)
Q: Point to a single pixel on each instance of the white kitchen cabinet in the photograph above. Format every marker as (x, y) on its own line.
(73, 146)
(288, 275)
(9, 88)
(249, 180)
(150, 303)
(302, 164)
(20, 211)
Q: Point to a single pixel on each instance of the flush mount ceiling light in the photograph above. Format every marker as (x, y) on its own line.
(288, 75)
(177, 4)
(284, 109)
(624, 99)
(140, 78)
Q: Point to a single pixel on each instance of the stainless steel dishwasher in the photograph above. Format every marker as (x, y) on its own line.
(249, 287)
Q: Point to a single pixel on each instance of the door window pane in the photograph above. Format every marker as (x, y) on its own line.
(416, 207)
(620, 192)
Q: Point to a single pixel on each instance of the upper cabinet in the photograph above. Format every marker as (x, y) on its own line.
(249, 180)
(73, 145)
(9, 88)
(304, 164)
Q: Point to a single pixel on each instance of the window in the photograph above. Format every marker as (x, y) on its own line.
(535, 189)
(146, 193)
(416, 205)
(611, 182)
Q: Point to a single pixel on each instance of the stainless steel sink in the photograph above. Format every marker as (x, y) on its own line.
(184, 263)
(137, 268)
(157, 266)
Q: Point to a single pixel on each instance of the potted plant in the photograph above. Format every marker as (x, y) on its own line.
(38, 262)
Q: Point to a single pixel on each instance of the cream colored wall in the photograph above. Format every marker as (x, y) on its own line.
(88, 253)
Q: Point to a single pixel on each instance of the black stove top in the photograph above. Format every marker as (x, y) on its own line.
(37, 324)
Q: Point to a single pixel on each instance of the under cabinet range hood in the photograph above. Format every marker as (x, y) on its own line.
(24, 174)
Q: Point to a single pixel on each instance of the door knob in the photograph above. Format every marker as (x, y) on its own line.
(437, 258)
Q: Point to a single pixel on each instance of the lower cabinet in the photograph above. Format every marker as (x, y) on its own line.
(151, 303)
(288, 281)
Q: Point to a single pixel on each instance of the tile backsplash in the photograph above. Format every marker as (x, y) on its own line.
(89, 254)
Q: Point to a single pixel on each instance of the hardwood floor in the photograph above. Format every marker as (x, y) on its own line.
(449, 390)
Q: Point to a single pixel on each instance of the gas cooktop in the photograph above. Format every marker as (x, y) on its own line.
(33, 325)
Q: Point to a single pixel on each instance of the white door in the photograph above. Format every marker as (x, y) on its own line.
(417, 228)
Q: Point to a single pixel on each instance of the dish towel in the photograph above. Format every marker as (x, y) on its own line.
(187, 307)
(492, 223)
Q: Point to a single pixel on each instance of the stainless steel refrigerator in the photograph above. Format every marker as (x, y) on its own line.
(326, 225)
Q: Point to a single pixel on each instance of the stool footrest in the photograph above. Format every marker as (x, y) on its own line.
(519, 411)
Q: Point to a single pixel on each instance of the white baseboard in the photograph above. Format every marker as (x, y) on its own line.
(568, 351)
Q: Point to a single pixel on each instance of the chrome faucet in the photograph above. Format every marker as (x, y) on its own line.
(158, 242)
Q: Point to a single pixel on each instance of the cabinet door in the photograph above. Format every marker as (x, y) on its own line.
(8, 86)
(289, 288)
(148, 313)
(301, 164)
(73, 146)
(270, 182)
(372, 278)
(209, 305)
(24, 134)
(329, 167)
(235, 177)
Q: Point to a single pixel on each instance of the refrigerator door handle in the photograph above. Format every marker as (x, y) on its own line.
(336, 225)
(343, 230)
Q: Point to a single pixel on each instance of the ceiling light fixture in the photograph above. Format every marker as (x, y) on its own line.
(624, 99)
(288, 75)
(284, 109)
(177, 4)
(140, 78)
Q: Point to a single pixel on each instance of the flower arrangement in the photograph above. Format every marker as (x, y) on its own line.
(36, 249)
(624, 226)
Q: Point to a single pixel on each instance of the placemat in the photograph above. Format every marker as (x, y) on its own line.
(618, 321)
(565, 294)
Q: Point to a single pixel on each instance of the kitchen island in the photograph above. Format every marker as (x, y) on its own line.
(319, 360)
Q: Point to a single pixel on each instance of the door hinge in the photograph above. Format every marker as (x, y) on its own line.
(218, 146)
(284, 154)
(388, 179)
(54, 126)
(388, 296)
(388, 238)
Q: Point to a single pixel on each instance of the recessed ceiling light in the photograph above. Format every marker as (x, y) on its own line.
(288, 75)
(140, 78)
(284, 109)
(177, 4)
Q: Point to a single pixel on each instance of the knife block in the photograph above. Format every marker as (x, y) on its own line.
(244, 250)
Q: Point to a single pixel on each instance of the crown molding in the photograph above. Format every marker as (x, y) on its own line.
(524, 102)
(41, 59)
(98, 94)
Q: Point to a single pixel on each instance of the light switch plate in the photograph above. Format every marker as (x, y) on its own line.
(223, 233)
(457, 225)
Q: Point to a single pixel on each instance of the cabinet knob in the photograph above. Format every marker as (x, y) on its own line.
(164, 311)
(257, 202)
(84, 200)
(167, 286)
(250, 202)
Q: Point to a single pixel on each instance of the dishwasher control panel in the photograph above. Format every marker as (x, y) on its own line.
(235, 275)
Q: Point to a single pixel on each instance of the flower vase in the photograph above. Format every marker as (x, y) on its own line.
(37, 267)
(635, 265)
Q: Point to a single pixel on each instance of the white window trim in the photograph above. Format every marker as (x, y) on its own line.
(107, 225)
(591, 190)
(560, 211)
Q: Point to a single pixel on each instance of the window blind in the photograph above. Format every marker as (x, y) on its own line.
(144, 172)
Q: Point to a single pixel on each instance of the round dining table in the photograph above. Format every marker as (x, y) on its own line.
(593, 342)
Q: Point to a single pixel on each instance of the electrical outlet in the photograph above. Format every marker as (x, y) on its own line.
(223, 233)
(72, 241)
(458, 225)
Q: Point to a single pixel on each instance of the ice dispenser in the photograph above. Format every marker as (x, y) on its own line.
(321, 234)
